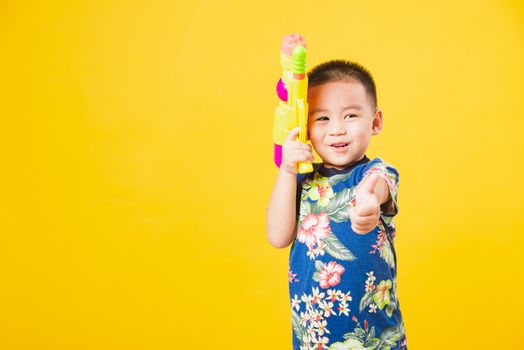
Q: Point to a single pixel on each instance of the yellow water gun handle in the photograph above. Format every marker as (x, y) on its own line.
(302, 111)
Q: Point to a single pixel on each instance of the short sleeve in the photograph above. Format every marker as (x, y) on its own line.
(390, 174)
(300, 179)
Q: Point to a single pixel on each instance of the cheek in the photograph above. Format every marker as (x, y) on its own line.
(314, 139)
(314, 134)
(361, 130)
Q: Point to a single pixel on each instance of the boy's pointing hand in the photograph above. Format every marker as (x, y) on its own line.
(364, 212)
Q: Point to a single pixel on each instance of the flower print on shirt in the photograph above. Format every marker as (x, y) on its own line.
(292, 277)
(365, 338)
(381, 296)
(310, 313)
(383, 246)
(327, 275)
(320, 191)
(324, 199)
(314, 229)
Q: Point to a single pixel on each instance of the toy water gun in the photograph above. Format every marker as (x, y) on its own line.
(292, 109)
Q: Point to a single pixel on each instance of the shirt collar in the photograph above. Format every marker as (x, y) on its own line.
(326, 172)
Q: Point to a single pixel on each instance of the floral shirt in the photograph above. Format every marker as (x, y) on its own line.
(342, 284)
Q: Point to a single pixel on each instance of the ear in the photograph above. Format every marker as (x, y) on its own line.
(377, 122)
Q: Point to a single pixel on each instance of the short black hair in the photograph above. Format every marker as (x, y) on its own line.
(341, 70)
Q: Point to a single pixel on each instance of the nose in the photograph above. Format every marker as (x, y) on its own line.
(337, 129)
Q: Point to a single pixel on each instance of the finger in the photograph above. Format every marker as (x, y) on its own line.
(304, 158)
(369, 222)
(365, 221)
(293, 134)
(300, 157)
(299, 152)
(359, 225)
(367, 209)
(366, 204)
(365, 225)
(356, 230)
(371, 183)
(354, 215)
(298, 145)
(360, 229)
(305, 146)
(310, 155)
(291, 146)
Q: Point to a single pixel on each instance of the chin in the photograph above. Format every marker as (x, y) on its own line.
(341, 163)
(337, 164)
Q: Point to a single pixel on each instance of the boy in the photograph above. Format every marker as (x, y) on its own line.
(342, 264)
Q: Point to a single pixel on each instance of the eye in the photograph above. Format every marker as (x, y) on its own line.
(322, 118)
(349, 116)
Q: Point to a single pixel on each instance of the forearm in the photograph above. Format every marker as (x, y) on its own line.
(281, 211)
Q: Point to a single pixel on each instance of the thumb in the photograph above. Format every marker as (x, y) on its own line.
(292, 134)
(371, 184)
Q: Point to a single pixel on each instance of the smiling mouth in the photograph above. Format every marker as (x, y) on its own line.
(339, 145)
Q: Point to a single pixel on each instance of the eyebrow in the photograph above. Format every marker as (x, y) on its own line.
(317, 110)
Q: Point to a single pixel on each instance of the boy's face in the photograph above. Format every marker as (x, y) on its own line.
(341, 122)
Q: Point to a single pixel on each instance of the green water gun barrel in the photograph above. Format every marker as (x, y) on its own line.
(299, 61)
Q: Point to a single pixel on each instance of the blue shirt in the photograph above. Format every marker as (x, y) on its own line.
(342, 284)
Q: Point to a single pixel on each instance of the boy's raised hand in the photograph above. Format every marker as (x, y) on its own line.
(365, 212)
(294, 152)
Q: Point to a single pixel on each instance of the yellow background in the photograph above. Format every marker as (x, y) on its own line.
(137, 166)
